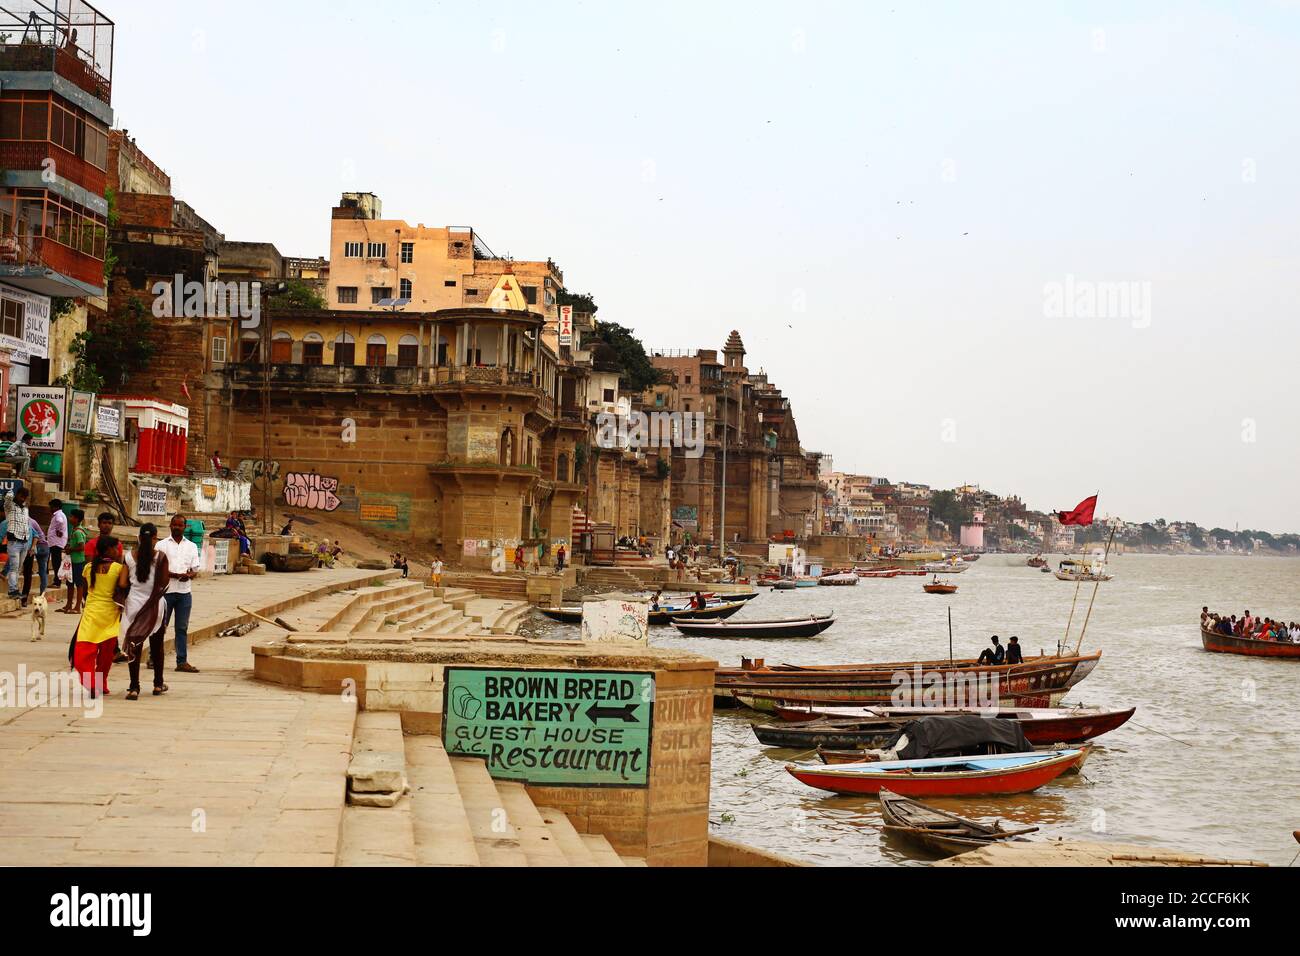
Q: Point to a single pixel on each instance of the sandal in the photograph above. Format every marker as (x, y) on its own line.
(132, 695)
(160, 690)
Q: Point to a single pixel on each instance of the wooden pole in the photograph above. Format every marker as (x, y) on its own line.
(950, 654)
(1095, 589)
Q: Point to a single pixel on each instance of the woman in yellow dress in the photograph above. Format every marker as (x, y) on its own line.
(95, 641)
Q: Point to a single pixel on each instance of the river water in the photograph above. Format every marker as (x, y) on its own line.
(1210, 763)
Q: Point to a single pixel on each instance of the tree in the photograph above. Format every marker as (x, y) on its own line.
(296, 295)
(638, 372)
(945, 506)
(581, 301)
(116, 348)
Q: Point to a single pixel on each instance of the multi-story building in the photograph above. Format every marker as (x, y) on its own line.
(373, 260)
(56, 72)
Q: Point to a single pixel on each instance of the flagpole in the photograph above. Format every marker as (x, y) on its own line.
(1078, 586)
(1095, 589)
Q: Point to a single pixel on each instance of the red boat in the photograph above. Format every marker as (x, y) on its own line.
(945, 776)
(1066, 725)
(1251, 646)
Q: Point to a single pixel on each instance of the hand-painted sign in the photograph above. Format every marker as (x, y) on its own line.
(80, 410)
(152, 501)
(552, 728)
(316, 492)
(108, 421)
(565, 327)
(41, 415)
(27, 323)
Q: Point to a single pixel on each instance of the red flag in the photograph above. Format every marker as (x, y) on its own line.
(1080, 515)
(186, 389)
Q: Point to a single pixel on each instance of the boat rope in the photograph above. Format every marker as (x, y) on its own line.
(1101, 574)
(1162, 734)
(780, 770)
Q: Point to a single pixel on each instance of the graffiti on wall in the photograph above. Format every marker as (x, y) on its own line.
(250, 469)
(312, 491)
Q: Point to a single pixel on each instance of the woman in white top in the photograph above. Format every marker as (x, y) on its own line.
(142, 616)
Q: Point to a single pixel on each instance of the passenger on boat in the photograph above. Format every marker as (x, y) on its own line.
(698, 602)
(654, 601)
(997, 654)
(1205, 618)
(1014, 656)
(1226, 626)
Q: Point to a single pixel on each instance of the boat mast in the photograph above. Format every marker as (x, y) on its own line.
(1095, 589)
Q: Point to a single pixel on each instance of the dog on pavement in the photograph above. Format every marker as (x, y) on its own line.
(38, 617)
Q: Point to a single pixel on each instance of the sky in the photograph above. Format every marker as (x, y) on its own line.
(1051, 249)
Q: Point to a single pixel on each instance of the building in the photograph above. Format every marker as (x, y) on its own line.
(56, 72)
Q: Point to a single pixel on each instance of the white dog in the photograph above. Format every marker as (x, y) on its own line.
(38, 617)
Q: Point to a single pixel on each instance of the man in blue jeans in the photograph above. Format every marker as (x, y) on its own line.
(19, 536)
(184, 564)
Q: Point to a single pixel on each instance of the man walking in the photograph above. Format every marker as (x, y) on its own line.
(56, 535)
(19, 537)
(184, 565)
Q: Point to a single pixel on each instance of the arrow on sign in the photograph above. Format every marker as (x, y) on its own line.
(628, 713)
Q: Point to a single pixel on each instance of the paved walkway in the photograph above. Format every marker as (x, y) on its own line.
(221, 771)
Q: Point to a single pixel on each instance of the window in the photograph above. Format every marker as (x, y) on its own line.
(408, 351)
(404, 288)
(219, 350)
(248, 347)
(449, 283)
(379, 293)
(609, 396)
(281, 348)
(530, 294)
(345, 350)
(313, 349)
(377, 351)
(376, 250)
(408, 252)
(352, 250)
(470, 292)
(688, 380)
(347, 295)
(13, 322)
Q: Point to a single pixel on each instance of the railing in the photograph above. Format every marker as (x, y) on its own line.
(40, 253)
(281, 374)
(43, 58)
(32, 156)
(479, 375)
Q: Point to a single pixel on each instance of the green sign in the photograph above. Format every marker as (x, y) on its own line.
(555, 728)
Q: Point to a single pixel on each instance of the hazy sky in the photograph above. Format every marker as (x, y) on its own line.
(904, 208)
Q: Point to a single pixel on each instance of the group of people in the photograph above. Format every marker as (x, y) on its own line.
(997, 655)
(401, 564)
(1249, 626)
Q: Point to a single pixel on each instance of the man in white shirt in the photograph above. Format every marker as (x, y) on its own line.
(183, 561)
(19, 538)
(57, 537)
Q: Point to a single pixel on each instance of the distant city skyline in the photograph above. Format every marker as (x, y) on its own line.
(1044, 249)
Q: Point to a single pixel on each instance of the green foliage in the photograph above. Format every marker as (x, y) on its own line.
(638, 373)
(581, 301)
(663, 468)
(945, 506)
(117, 347)
(579, 459)
(83, 377)
(296, 295)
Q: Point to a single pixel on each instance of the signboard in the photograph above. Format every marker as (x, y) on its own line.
(10, 486)
(41, 414)
(33, 336)
(108, 421)
(687, 518)
(566, 325)
(80, 410)
(569, 728)
(221, 555)
(151, 501)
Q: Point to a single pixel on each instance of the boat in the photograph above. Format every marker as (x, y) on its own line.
(573, 615)
(937, 588)
(1249, 646)
(796, 627)
(1040, 681)
(947, 567)
(289, 562)
(971, 558)
(1041, 726)
(847, 579)
(942, 776)
(1037, 561)
(939, 831)
(1080, 571)
(806, 582)
(785, 584)
(891, 573)
(853, 735)
(835, 758)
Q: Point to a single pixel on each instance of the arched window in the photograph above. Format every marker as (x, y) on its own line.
(408, 351)
(562, 467)
(281, 348)
(345, 349)
(313, 349)
(377, 351)
(249, 349)
(507, 455)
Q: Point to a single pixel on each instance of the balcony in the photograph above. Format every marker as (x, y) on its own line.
(493, 376)
(69, 38)
(32, 156)
(49, 268)
(254, 373)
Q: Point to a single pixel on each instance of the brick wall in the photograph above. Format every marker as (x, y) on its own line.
(144, 209)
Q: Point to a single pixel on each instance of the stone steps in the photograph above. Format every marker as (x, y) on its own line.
(377, 836)
(495, 836)
(442, 832)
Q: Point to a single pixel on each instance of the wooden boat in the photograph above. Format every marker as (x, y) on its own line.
(1249, 646)
(1079, 571)
(797, 627)
(939, 831)
(1037, 561)
(573, 615)
(937, 588)
(1041, 726)
(805, 582)
(892, 573)
(1038, 682)
(971, 558)
(785, 584)
(848, 579)
(834, 758)
(289, 562)
(947, 567)
(942, 776)
(852, 735)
